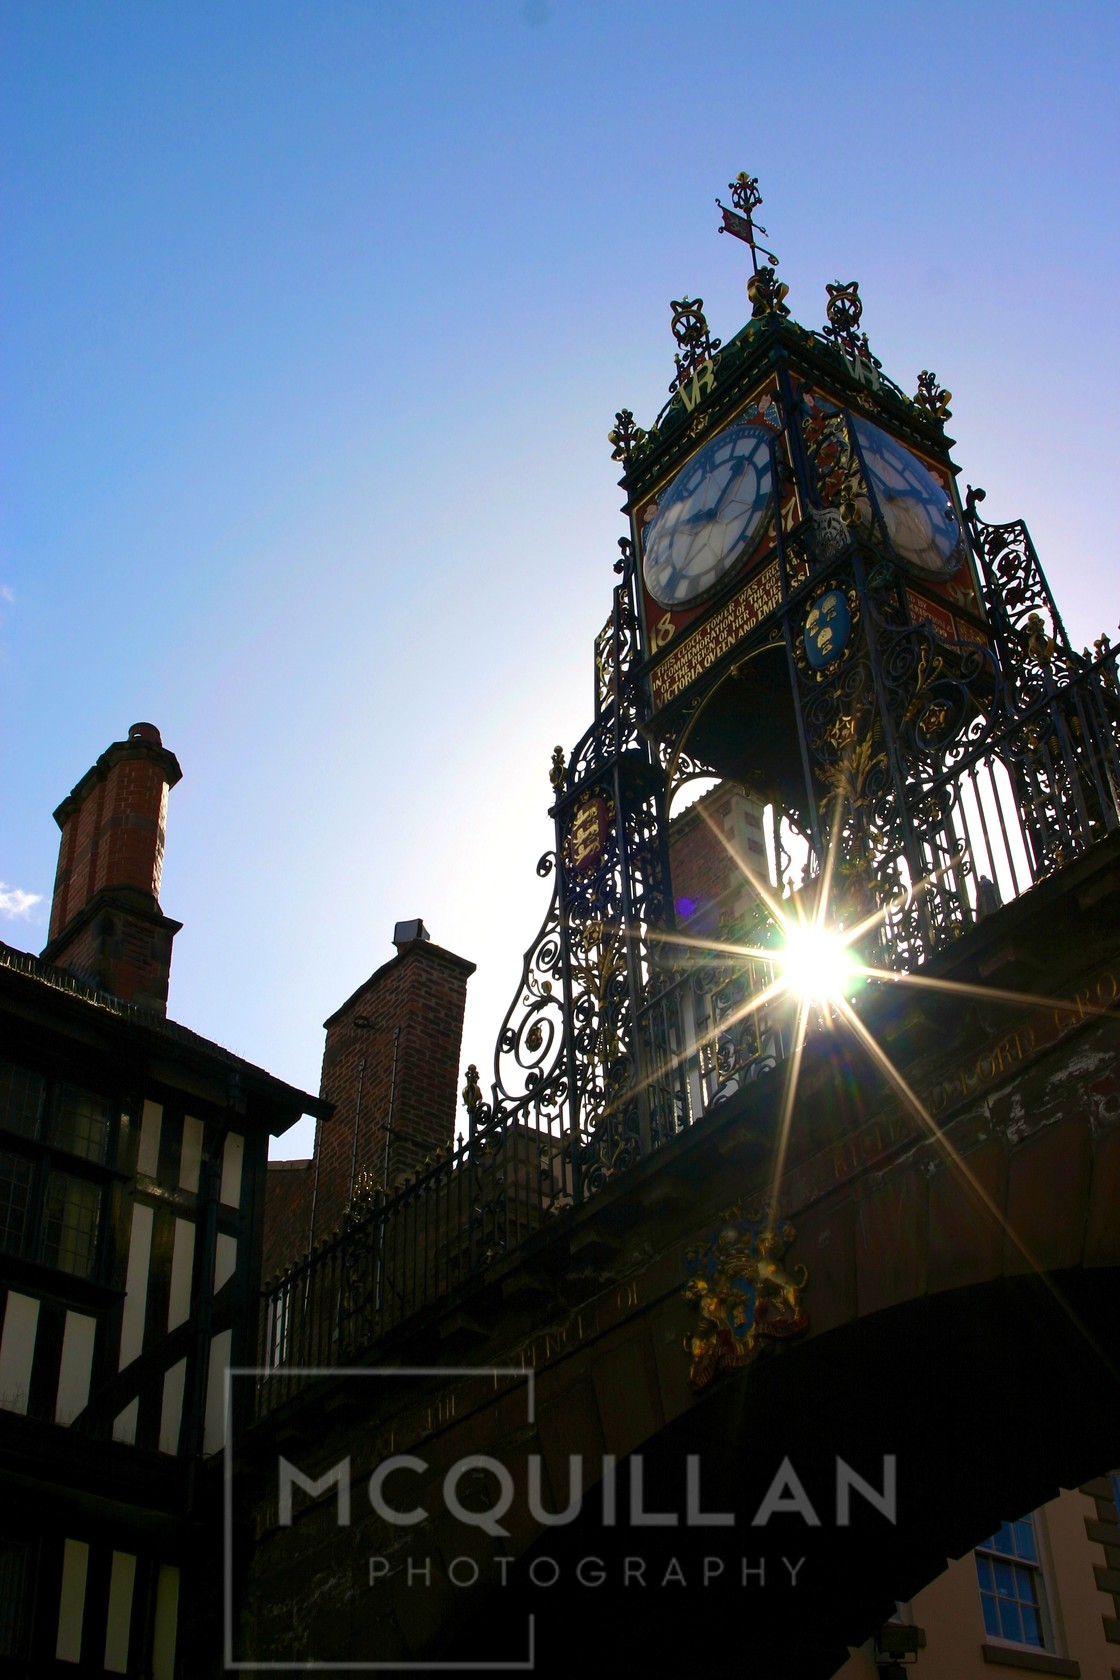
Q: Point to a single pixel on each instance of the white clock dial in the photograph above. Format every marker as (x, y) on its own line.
(922, 527)
(709, 517)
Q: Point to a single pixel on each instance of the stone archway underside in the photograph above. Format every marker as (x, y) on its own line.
(989, 1399)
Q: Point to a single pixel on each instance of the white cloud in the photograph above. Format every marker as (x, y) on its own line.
(6, 593)
(15, 902)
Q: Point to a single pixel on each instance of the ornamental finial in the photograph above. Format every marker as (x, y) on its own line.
(624, 436)
(932, 396)
(472, 1090)
(746, 198)
(845, 311)
(690, 329)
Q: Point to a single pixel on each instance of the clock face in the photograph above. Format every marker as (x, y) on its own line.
(709, 517)
(921, 524)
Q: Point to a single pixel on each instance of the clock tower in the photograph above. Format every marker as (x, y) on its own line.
(812, 617)
(807, 608)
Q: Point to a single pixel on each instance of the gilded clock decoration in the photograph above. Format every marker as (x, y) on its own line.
(696, 358)
(933, 397)
(625, 437)
(767, 294)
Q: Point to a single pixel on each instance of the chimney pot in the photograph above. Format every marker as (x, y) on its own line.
(406, 933)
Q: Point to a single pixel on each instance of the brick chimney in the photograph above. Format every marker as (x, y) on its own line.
(106, 924)
(391, 1068)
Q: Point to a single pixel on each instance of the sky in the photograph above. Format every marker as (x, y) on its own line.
(315, 317)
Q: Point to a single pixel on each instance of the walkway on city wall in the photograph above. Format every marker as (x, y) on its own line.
(958, 1358)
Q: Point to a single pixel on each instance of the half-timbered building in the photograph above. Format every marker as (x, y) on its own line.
(132, 1170)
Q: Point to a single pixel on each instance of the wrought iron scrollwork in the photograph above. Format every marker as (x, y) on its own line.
(529, 1051)
(1019, 599)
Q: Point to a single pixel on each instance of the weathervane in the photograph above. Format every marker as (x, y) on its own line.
(746, 198)
(766, 292)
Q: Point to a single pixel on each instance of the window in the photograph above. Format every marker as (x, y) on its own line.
(15, 1195)
(17, 1575)
(21, 1099)
(1012, 1592)
(55, 1138)
(72, 1218)
(80, 1123)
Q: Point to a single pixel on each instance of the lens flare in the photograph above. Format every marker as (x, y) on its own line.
(816, 964)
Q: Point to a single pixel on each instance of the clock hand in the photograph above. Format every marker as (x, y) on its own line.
(734, 480)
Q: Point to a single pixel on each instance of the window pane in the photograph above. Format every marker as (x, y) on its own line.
(21, 1099)
(72, 1218)
(82, 1123)
(991, 1615)
(1009, 1624)
(15, 1596)
(15, 1192)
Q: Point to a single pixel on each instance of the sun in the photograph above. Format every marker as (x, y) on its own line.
(815, 962)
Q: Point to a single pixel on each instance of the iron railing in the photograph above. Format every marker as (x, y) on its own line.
(398, 1253)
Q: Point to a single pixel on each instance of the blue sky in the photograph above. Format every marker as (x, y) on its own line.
(315, 317)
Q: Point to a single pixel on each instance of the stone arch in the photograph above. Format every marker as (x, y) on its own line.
(989, 1398)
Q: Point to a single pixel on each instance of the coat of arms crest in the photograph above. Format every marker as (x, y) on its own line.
(744, 1293)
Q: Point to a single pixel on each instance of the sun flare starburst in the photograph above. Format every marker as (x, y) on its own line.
(816, 969)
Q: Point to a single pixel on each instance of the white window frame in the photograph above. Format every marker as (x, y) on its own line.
(991, 1555)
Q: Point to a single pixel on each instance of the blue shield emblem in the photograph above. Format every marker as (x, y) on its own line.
(828, 629)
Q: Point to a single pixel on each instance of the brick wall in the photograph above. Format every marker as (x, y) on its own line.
(287, 1214)
(707, 844)
(410, 1011)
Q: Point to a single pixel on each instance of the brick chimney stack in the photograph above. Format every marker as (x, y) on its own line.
(106, 924)
(391, 1068)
